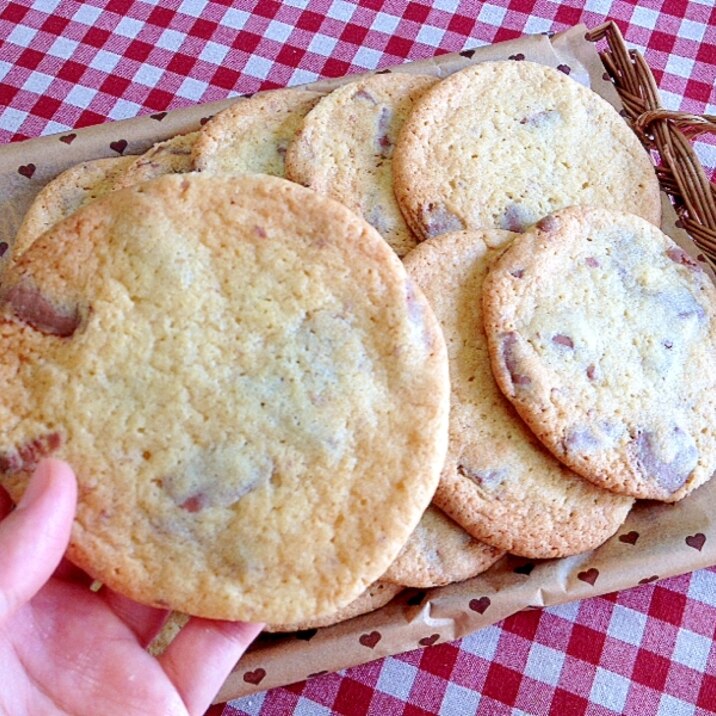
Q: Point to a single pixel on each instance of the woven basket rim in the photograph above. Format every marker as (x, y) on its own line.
(666, 135)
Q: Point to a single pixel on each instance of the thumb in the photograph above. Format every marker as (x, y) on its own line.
(34, 537)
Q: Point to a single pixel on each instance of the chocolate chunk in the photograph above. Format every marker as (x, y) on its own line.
(679, 256)
(515, 218)
(509, 343)
(438, 220)
(484, 478)
(562, 340)
(671, 476)
(195, 503)
(385, 146)
(541, 119)
(364, 94)
(548, 223)
(27, 455)
(31, 307)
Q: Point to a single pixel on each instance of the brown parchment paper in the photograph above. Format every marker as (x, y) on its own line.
(657, 540)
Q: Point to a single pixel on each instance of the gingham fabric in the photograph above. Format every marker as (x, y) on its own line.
(66, 64)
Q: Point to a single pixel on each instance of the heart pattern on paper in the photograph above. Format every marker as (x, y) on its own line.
(564, 68)
(519, 56)
(118, 146)
(159, 116)
(370, 640)
(696, 541)
(480, 605)
(589, 576)
(629, 537)
(646, 580)
(255, 677)
(68, 138)
(3, 248)
(429, 640)
(27, 170)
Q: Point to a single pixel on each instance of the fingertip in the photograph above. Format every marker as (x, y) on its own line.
(50, 475)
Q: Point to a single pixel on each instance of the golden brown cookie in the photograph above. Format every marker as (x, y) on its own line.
(376, 596)
(439, 552)
(499, 483)
(345, 149)
(221, 360)
(251, 136)
(602, 333)
(172, 156)
(502, 144)
(66, 193)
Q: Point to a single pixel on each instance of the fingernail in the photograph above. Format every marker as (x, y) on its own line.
(39, 482)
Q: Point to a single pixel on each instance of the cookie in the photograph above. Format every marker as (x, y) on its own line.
(602, 333)
(221, 360)
(439, 552)
(499, 483)
(345, 149)
(251, 136)
(66, 193)
(376, 596)
(502, 144)
(172, 156)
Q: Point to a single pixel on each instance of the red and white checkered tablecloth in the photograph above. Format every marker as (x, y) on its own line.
(66, 64)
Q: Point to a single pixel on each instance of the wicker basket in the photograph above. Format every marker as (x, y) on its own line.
(667, 136)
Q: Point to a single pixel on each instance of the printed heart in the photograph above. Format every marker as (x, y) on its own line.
(524, 568)
(590, 576)
(416, 600)
(27, 170)
(317, 673)
(254, 677)
(3, 248)
(306, 634)
(607, 77)
(68, 138)
(564, 68)
(467, 53)
(118, 146)
(629, 537)
(159, 116)
(646, 580)
(479, 605)
(517, 57)
(383, 72)
(370, 640)
(429, 640)
(696, 541)
(204, 120)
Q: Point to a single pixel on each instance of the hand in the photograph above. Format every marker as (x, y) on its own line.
(67, 650)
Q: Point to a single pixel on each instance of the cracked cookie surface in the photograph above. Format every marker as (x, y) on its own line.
(602, 333)
(498, 482)
(502, 144)
(222, 361)
(344, 149)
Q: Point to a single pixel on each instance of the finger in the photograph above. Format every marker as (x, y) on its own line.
(34, 536)
(145, 622)
(202, 656)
